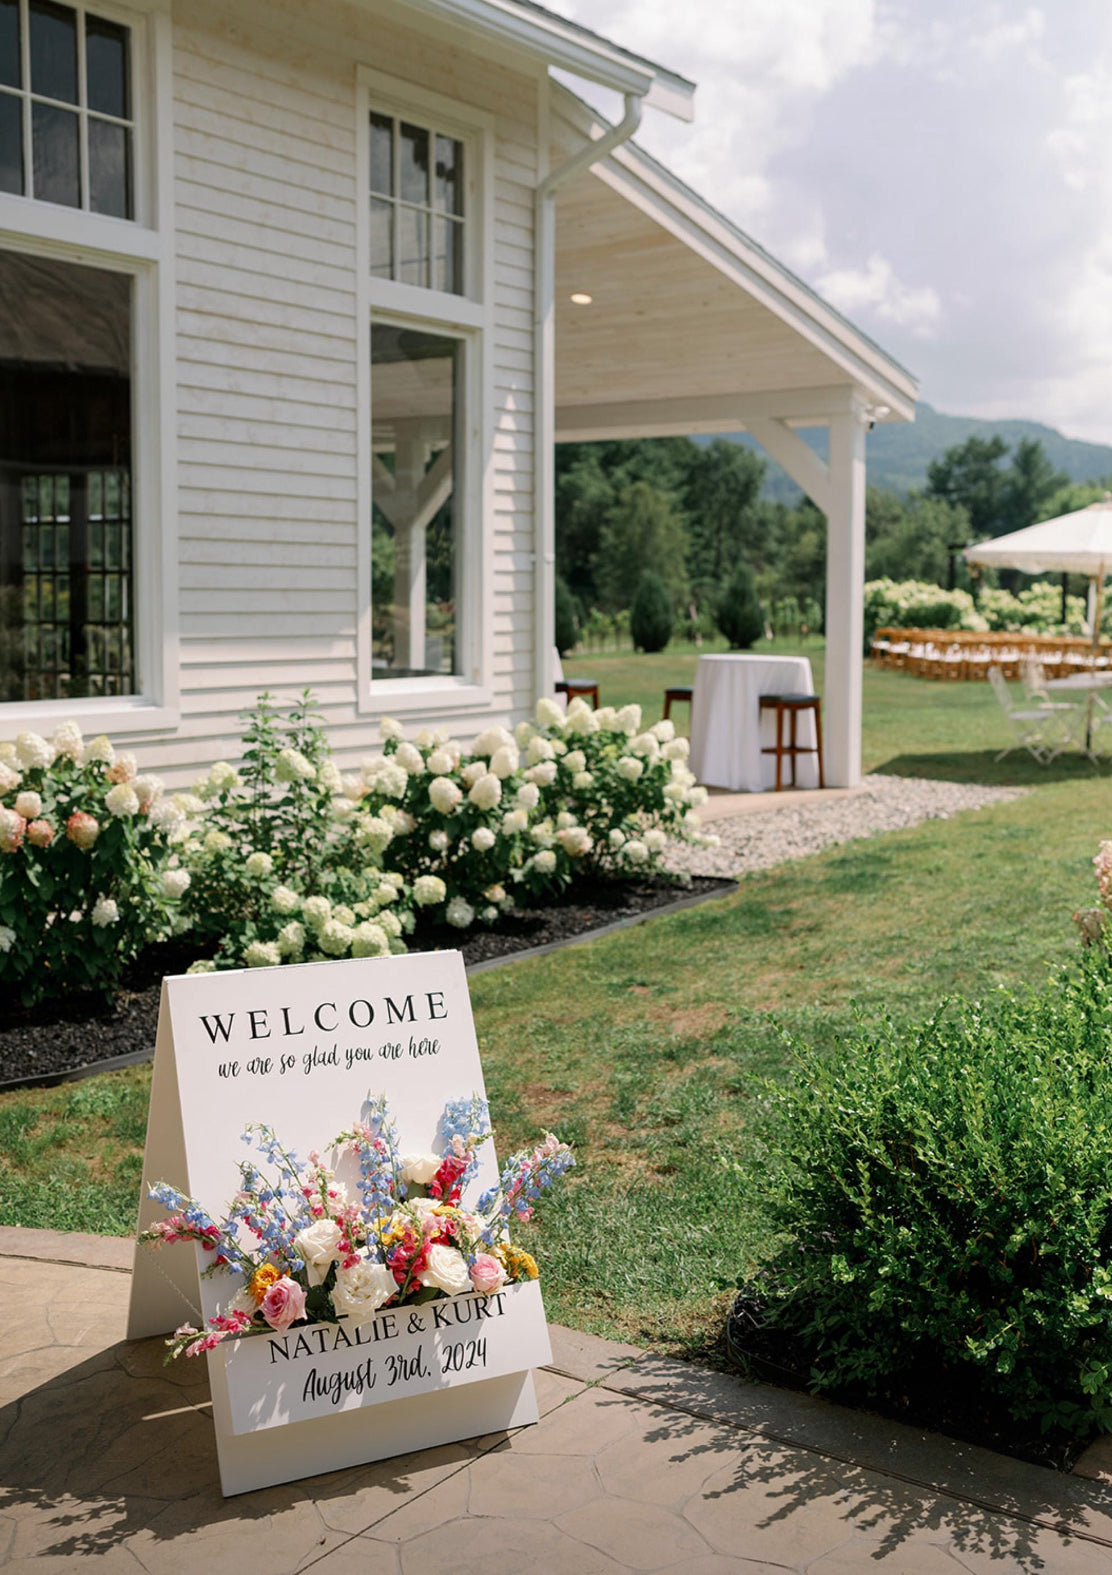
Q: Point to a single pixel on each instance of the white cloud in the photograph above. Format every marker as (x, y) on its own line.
(875, 290)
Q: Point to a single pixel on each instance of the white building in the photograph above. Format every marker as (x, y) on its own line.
(287, 335)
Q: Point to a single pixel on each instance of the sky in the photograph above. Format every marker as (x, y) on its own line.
(940, 170)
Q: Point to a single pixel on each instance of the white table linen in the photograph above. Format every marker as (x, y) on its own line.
(728, 730)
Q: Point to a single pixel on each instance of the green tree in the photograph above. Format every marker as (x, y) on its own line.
(910, 538)
(650, 617)
(567, 617)
(723, 486)
(643, 530)
(738, 613)
(969, 475)
(1030, 483)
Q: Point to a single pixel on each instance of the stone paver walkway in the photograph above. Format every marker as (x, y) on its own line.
(638, 1464)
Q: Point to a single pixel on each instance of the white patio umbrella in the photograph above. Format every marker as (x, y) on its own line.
(1077, 543)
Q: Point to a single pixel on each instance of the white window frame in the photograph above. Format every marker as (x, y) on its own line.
(142, 248)
(467, 317)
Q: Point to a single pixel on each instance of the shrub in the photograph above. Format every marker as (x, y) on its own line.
(650, 617)
(738, 613)
(1036, 610)
(943, 1201)
(911, 604)
(567, 617)
(85, 841)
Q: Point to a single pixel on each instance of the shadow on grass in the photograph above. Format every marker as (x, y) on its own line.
(981, 765)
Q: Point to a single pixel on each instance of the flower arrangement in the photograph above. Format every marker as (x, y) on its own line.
(320, 1251)
(86, 872)
(1092, 923)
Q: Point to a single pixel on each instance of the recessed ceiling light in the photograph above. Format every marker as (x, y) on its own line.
(580, 298)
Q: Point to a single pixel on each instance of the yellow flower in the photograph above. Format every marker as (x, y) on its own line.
(261, 1281)
(518, 1264)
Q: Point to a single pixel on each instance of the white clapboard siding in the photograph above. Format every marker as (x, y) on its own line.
(264, 138)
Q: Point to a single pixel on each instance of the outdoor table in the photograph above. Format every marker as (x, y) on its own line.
(727, 729)
(1086, 683)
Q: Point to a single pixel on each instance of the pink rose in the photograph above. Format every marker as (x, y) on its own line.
(82, 829)
(283, 1304)
(487, 1274)
(40, 833)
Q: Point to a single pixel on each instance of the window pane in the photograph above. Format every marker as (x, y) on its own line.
(54, 150)
(415, 418)
(382, 239)
(447, 256)
(106, 67)
(9, 43)
(382, 155)
(65, 449)
(414, 160)
(53, 51)
(109, 168)
(11, 144)
(449, 175)
(413, 246)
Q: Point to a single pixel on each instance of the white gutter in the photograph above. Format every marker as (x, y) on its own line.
(544, 367)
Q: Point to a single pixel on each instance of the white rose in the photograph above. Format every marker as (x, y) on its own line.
(360, 1291)
(259, 865)
(122, 800)
(549, 714)
(262, 954)
(544, 861)
(440, 762)
(316, 1245)
(419, 1169)
(460, 913)
(410, 759)
(487, 791)
(630, 767)
(105, 912)
(175, 882)
(29, 805)
(483, 839)
(447, 1270)
(505, 761)
(444, 794)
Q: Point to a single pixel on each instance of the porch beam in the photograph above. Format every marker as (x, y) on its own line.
(684, 415)
(802, 464)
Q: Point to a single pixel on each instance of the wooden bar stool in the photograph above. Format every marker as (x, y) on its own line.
(791, 706)
(676, 692)
(579, 688)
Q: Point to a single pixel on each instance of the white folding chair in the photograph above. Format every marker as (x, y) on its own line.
(1042, 731)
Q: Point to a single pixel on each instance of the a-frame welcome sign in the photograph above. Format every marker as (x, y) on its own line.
(300, 1049)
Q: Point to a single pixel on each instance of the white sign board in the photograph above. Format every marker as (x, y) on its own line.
(300, 1049)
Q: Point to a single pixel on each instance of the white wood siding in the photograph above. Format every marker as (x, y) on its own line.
(266, 194)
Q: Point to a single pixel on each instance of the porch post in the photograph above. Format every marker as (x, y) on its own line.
(845, 579)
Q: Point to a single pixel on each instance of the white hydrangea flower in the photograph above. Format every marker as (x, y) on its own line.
(692, 822)
(122, 800)
(343, 914)
(629, 719)
(680, 773)
(352, 786)
(425, 739)
(166, 816)
(148, 790)
(677, 749)
(675, 792)
(656, 840)
(444, 794)
(528, 796)
(549, 714)
(487, 792)
(460, 913)
(29, 805)
(539, 749)
(646, 746)
(386, 893)
(607, 718)
(205, 965)
(483, 839)
(284, 900)
(543, 775)
(472, 771)
(575, 841)
(335, 938)
(541, 834)
(565, 818)
(259, 865)
(291, 939)
(490, 914)
(67, 740)
(392, 878)
(664, 731)
(488, 743)
(575, 760)
(581, 781)
(105, 912)
(216, 842)
(317, 911)
(635, 851)
(188, 804)
(630, 767)
(7, 938)
(370, 940)
(438, 841)
(523, 732)
(32, 751)
(440, 762)
(505, 761)
(293, 766)
(515, 821)
(391, 728)
(374, 832)
(221, 778)
(262, 954)
(616, 838)
(697, 796)
(410, 759)
(175, 882)
(328, 775)
(389, 924)
(429, 890)
(9, 777)
(385, 776)
(100, 749)
(544, 861)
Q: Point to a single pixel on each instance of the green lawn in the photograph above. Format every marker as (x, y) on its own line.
(648, 1048)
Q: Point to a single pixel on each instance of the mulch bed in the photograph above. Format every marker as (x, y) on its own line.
(56, 1038)
(940, 1401)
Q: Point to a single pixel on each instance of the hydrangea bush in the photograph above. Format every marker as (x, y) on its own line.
(86, 844)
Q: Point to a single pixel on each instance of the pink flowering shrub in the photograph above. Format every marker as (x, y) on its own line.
(85, 843)
(1092, 923)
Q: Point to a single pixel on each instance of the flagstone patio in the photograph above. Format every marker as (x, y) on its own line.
(638, 1464)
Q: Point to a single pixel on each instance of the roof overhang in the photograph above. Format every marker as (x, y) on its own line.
(531, 30)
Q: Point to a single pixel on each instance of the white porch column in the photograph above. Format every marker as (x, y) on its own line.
(845, 579)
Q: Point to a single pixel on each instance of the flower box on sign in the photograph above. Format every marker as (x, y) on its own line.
(320, 1369)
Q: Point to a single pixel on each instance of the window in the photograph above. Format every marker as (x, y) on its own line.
(66, 548)
(416, 378)
(66, 117)
(417, 205)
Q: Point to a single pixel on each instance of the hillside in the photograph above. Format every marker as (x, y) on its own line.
(898, 455)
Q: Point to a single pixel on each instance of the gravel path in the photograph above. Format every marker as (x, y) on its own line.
(762, 838)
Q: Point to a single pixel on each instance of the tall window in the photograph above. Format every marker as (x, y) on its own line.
(415, 407)
(66, 117)
(66, 549)
(417, 205)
